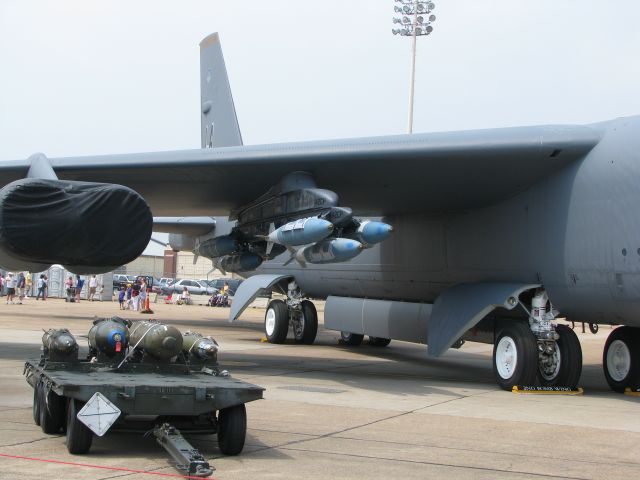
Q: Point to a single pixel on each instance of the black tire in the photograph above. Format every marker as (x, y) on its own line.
(569, 369)
(276, 321)
(36, 403)
(593, 327)
(621, 359)
(379, 341)
(516, 350)
(79, 437)
(351, 339)
(306, 335)
(51, 410)
(232, 429)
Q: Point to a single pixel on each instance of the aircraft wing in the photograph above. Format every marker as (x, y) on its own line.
(428, 173)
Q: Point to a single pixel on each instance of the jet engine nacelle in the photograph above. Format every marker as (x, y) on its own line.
(181, 242)
(87, 227)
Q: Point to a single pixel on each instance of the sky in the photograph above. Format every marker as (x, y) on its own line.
(93, 77)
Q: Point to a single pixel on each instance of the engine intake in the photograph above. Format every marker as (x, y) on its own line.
(87, 227)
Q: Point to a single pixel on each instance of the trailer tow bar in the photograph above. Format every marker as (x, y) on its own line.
(187, 458)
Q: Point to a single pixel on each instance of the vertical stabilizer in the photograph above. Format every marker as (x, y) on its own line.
(219, 124)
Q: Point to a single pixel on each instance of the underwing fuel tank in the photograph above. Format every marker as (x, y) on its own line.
(218, 247)
(301, 232)
(329, 251)
(156, 339)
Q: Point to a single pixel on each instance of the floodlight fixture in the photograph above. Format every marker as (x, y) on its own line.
(416, 27)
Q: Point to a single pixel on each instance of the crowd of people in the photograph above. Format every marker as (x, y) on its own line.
(134, 296)
(18, 287)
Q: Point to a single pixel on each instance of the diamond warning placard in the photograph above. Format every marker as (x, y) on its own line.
(99, 414)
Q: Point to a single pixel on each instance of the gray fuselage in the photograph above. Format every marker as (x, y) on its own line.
(577, 232)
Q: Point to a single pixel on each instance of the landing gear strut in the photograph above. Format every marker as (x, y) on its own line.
(542, 351)
(301, 314)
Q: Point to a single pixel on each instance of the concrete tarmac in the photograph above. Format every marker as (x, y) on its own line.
(338, 412)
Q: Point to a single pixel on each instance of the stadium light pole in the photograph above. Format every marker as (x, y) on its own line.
(418, 25)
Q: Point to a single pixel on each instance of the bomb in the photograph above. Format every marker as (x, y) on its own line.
(196, 345)
(109, 336)
(59, 344)
(158, 340)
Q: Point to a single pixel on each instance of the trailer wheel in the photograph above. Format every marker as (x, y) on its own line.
(232, 429)
(79, 437)
(36, 403)
(276, 322)
(51, 411)
(307, 325)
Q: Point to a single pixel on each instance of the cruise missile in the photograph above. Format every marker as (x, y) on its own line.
(300, 232)
(245, 262)
(218, 246)
(329, 251)
(370, 232)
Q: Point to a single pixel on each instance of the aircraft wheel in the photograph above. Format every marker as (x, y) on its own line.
(621, 358)
(51, 411)
(36, 403)
(565, 364)
(79, 436)
(351, 339)
(379, 341)
(232, 429)
(594, 328)
(276, 321)
(515, 356)
(306, 327)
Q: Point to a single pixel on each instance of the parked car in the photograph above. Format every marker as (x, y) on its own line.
(120, 280)
(166, 281)
(218, 283)
(193, 286)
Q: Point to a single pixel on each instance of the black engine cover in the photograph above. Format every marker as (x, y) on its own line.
(87, 227)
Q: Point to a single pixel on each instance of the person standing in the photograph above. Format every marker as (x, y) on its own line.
(68, 284)
(11, 283)
(143, 293)
(41, 287)
(79, 285)
(93, 285)
(20, 287)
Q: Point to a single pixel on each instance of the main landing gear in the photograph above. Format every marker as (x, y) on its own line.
(300, 314)
(621, 359)
(537, 352)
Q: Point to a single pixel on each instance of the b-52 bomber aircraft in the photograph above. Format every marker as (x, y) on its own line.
(486, 235)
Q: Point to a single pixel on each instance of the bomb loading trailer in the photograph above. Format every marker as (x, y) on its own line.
(139, 377)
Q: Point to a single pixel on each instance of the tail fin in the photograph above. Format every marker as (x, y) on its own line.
(219, 124)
